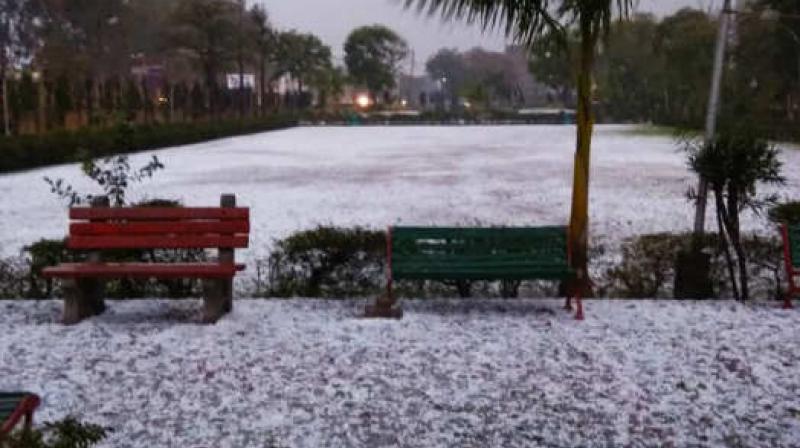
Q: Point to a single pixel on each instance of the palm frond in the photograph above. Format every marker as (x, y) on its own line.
(525, 20)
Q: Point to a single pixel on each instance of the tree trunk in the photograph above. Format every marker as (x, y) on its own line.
(721, 213)
(734, 232)
(579, 221)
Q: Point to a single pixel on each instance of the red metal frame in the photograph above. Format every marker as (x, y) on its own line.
(25, 410)
(791, 273)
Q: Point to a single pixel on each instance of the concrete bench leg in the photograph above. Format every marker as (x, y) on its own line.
(83, 298)
(384, 308)
(217, 299)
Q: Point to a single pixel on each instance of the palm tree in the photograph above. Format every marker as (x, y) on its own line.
(525, 21)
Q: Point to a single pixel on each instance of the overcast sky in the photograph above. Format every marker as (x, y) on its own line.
(332, 20)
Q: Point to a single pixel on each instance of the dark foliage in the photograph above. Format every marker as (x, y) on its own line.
(31, 151)
(67, 433)
(788, 212)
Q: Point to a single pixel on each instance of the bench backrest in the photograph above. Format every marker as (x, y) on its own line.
(454, 253)
(792, 236)
(158, 228)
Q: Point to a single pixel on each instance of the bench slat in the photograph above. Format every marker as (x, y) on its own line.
(159, 227)
(142, 270)
(157, 242)
(158, 213)
(482, 275)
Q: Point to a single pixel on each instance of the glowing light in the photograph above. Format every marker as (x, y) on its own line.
(363, 100)
(163, 100)
(404, 102)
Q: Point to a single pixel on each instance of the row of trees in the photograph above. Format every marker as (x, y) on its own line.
(659, 70)
(90, 62)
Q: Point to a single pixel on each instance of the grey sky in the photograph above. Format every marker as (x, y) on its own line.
(332, 20)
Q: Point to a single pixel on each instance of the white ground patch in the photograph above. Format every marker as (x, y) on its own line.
(377, 176)
(471, 373)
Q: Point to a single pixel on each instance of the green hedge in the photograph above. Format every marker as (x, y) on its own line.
(53, 148)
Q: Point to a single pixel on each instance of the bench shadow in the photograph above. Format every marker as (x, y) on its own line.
(509, 307)
(171, 312)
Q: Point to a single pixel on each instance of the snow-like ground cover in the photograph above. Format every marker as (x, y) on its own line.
(467, 373)
(376, 176)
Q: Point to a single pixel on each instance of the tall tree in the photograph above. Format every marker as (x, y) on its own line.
(373, 55)
(447, 66)
(303, 57)
(18, 33)
(686, 41)
(524, 21)
(553, 62)
(630, 74)
(207, 29)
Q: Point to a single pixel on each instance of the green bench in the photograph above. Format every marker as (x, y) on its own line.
(470, 253)
(16, 407)
(791, 255)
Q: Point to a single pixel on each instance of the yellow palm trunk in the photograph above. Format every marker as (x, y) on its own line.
(579, 221)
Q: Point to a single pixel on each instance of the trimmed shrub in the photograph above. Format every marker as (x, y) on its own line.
(646, 269)
(328, 262)
(57, 147)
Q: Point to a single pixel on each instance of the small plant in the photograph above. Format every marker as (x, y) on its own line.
(112, 174)
(734, 164)
(67, 433)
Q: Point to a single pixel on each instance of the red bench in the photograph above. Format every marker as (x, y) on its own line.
(99, 228)
(14, 408)
(791, 255)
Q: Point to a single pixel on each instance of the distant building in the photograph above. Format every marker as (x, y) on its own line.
(419, 92)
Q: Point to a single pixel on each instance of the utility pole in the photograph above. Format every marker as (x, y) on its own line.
(712, 112)
(693, 267)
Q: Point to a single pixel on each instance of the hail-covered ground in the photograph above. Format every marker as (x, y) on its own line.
(472, 373)
(378, 176)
